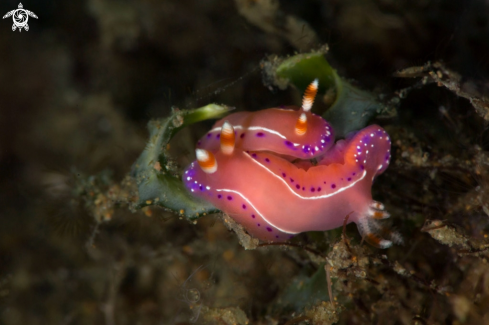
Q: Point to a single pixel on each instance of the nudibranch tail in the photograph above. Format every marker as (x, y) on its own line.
(301, 125)
(310, 95)
(206, 160)
(228, 138)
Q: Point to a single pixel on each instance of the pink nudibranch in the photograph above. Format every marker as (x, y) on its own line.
(268, 184)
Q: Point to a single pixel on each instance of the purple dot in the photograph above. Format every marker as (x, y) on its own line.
(267, 160)
(291, 180)
(348, 179)
(306, 149)
(258, 224)
(209, 135)
(199, 143)
(242, 135)
(230, 197)
(288, 143)
(219, 196)
(218, 136)
(244, 206)
(284, 175)
(319, 189)
(260, 134)
(362, 167)
(269, 229)
(353, 174)
(303, 188)
(253, 155)
(297, 186)
(313, 189)
(333, 186)
(324, 182)
(253, 216)
(277, 236)
(201, 187)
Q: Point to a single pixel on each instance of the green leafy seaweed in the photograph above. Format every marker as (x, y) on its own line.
(159, 183)
(351, 108)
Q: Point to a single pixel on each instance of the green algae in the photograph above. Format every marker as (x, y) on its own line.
(158, 180)
(351, 108)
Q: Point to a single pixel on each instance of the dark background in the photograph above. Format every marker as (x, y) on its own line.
(78, 88)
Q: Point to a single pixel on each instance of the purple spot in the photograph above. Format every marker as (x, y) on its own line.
(284, 175)
(333, 186)
(253, 216)
(218, 136)
(242, 135)
(269, 229)
(324, 182)
(313, 189)
(209, 135)
(306, 148)
(230, 197)
(288, 143)
(244, 206)
(199, 143)
(303, 188)
(291, 180)
(258, 224)
(319, 189)
(348, 179)
(297, 186)
(313, 151)
(291, 236)
(282, 106)
(219, 196)
(362, 167)
(267, 160)
(253, 155)
(277, 236)
(353, 174)
(201, 187)
(260, 134)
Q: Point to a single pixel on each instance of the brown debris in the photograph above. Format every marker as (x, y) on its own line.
(225, 316)
(266, 14)
(437, 72)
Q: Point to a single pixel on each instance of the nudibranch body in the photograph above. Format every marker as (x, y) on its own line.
(258, 168)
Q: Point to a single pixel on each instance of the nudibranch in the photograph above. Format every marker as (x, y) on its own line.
(278, 172)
